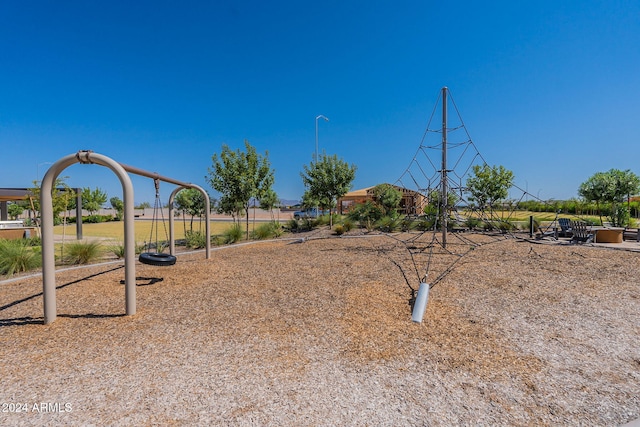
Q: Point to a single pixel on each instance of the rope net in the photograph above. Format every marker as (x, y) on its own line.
(430, 259)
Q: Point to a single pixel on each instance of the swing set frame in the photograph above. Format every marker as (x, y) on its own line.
(121, 170)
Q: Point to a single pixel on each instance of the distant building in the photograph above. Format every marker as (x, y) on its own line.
(412, 202)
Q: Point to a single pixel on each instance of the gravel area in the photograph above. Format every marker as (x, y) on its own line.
(319, 332)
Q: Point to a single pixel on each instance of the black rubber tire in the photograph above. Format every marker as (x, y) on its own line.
(157, 259)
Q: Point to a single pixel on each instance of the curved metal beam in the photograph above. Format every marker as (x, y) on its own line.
(48, 256)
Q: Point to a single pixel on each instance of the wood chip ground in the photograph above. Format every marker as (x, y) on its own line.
(319, 332)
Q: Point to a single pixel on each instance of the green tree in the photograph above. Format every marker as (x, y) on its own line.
(489, 184)
(611, 187)
(118, 205)
(240, 176)
(327, 180)
(388, 197)
(310, 201)
(14, 210)
(62, 197)
(366, 214)
(268, 201)
(93, 200)
(432, 209)
(191, 201)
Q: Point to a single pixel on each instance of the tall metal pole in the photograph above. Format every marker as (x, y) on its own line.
(443, 196)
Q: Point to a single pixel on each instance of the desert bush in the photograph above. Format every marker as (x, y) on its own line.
(232, 234)
(471, 223)
(276, 229)
(91, 219)
(267, 231)
(17, 256)
(425, 223)
(505, 225)
(339, 229)
(292, 225)
(388, 224)
(307, 224)
(82, 252)
(322, 220)
(619, 216)
(304, 224)
(487, 226)
(347, 224)
(408, 224)
(195, 239)
(117, 250)
(33, 241)
(366, 214)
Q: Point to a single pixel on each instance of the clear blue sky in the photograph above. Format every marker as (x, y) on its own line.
(549, 89)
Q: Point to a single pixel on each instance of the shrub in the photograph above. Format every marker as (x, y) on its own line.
(93, 219)
(619, 216)
(505, 225)
(271, 229)
(471, 223)
(488, 226)
(425, 223)
(388, 224)
(33, 241)
(232, 234)
(322, 220)
(195, 239)
(307, 224)
(408, 224)
(347, 224)
(292, 225)
(366, 214)
(339, 229)
(117, 250)
(266, 230)
(17, 256)
(82, 252)
(277, 229)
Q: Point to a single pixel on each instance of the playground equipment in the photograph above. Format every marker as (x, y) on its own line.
(46, 203)
(157, 258)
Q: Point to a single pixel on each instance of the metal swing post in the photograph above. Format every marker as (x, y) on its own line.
(443, 196)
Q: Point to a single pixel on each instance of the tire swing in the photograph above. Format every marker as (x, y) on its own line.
(158, 259)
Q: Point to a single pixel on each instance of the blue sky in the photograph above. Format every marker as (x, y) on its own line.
(549, 89)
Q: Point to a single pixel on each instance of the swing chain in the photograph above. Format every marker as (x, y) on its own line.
(157, 206)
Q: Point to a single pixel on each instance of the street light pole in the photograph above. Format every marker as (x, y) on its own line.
(326, 119)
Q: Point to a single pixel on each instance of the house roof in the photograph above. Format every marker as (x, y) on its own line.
(358, 193)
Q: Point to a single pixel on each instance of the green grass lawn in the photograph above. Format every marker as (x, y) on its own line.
(539, 216)
(115, 230)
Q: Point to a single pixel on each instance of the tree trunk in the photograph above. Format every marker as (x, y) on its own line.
(247, 221)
